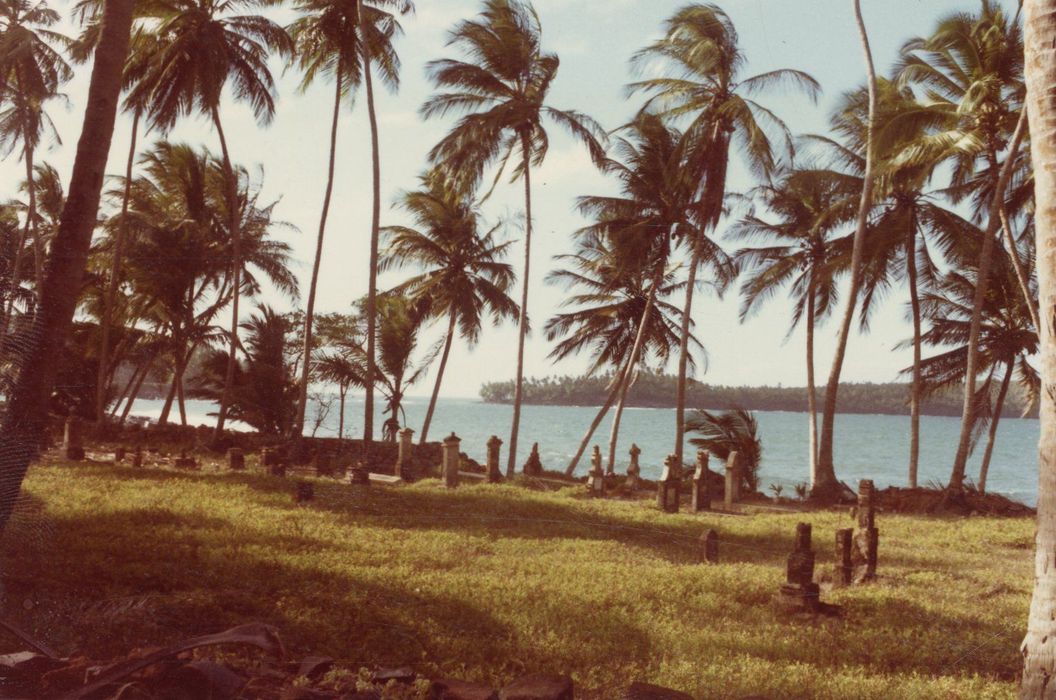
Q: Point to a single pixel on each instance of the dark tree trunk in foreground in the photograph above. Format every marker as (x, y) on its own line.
(1039, 646)
(27, 410)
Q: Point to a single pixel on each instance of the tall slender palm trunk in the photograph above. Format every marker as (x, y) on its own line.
(982, 279)
(439, 378)
(31, 222)
(984, 468)
(522, 321)
(683, 353)
(825, 485)
(812, 399)
(102, 385)
(1017, 264)
(309, 313)
(235, 274)
(1039, 645)
(134, 385)
(614, 391)
(915, 386)
(375, 232)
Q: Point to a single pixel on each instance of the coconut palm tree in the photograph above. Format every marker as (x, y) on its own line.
(730, 431)
(703, 83)
(464, 278)
(339, 357)
(618, 316)
(1039, 657)
(800, 253)
(502, 88)
(344, 40)
(202, 47)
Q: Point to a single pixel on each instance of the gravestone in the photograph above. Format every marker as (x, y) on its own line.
(323, 461)
(137, 458)
(358, 474)
(709, 542)
(452, 460)
(733, 478)
(844, 571)
(494, 473)
(668, 489)
(185, 462)
(596, 476)
(867, 537)
(799, 592)
(72, 439)
(634, 470)
(119, 454)
(404, 469)
(701, 496)
(236, 459)
(305, 491)
(534, 466)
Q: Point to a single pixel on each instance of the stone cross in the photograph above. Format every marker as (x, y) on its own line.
(669, 487)
(403, 458)
(72, 445)
(452, 460)
(494, 472)
(596, 481)
(701, 494)
(236, 459)
(733, 478)
(710, 545)
(634, 471)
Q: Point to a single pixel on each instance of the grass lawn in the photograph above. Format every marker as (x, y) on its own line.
(488, 582)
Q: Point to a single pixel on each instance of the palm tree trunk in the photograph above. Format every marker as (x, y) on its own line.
(683, 354)
(812, 399)
(1017, 264)
(179, 395)
(826, 485)
(133, 393)
(613, 392)
(26, 413)
(33, 233)
(111, 287)
(309, 314)
(915, 386)
(375, 229)
(439, 378)
(522, 321)
(341, 418)
(1039, 645)
(984, 468)
(236, 272)
(960, 460)
(163, 419)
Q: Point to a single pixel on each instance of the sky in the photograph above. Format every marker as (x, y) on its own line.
(594, 40)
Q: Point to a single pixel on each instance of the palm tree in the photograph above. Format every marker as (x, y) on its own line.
(620, 316)
(800, 253)
(200, 49)
(703, 83)
(464, 277)
(730, 431)
(1039, 661)
(503, 88)
(340, 40)
(400, 322)
(340, 358)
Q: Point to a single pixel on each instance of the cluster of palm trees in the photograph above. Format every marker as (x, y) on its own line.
(923, 183)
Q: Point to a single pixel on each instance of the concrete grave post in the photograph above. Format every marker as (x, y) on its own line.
(634, 470)
(710, 546)
(596, 477)
(799, 590)
(494, 471)
(733, 478)
(867, 537)
(701, 496)
(844, 569)
(72, 439)
(668, 489)
(404, 468)
(236, 459)
(452, 460)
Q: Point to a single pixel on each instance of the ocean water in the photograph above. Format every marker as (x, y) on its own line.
(866, 446)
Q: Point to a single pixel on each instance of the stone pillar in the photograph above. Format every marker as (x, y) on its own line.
(668, 489)
(844, 570)
(733, 478)
(404, 469)
(710, 546)
(596, 477)
(119, 454)
(799, 590)
(452, 460)
(494, 471)
(358, 473)
(701, 496)
(867, 538)
(534, 466)
(137, 458)
(185, 462)
(72, 439)
(634, 471)
(236, 459)
(305, 491)
(324, 463)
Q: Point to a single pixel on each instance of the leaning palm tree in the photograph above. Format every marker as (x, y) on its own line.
(703, 83)
(344, 40)
(201, 48)
(730, 431)
(464, 278)
(503, 88)
(799, 252)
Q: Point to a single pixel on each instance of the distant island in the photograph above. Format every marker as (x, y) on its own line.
(658, 391)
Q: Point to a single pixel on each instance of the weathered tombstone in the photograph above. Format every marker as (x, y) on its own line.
(634, 470)
(668, 489)
(277, 469)
(596, 476)
(403, 456)
(494, 472)
(452, 460)
(137, 458)
(185, 462)
(358, 473)
(701, 496)
(534, 466)
(72, 439)
(323, 462)
(710, 546)
(799, 590)
(236, 459)
(269, 456)
(119, 454)
(305, 491)
(844, 569)
(867, 537)
(733, 478)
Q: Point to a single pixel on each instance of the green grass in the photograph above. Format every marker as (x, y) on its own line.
(487, 582)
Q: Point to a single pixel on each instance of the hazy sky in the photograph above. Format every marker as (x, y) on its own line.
(594, 39)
